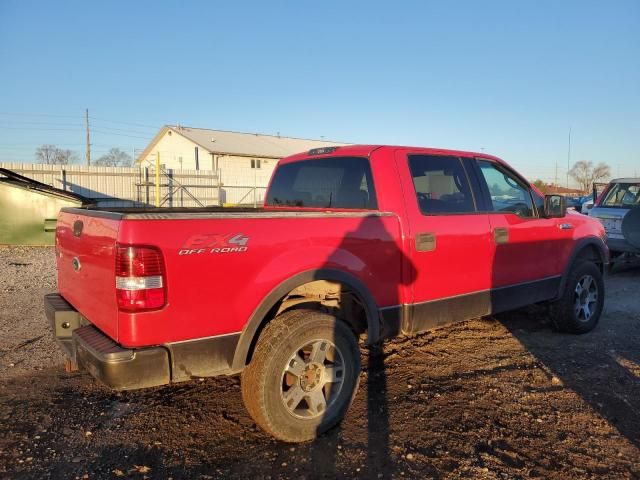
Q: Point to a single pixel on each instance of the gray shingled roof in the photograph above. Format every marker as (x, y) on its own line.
(220, 141)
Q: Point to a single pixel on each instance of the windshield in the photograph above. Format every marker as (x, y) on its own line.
(335, 182)
(623, 195)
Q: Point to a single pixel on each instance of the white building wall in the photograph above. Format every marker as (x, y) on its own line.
(237, 171)
(178, 152)
(240, 182)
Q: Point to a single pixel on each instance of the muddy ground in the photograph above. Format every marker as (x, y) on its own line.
(482, 399)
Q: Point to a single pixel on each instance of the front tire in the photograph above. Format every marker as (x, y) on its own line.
(580, 306)
(303, 375)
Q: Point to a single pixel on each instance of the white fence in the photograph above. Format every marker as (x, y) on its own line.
(128, 187)
(241, 195)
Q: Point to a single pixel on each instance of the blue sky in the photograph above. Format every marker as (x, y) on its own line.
(506, 77)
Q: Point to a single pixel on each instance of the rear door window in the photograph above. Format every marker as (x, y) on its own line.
(336, 182)
(441, 184)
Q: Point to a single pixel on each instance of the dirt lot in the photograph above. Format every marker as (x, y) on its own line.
(483, 399)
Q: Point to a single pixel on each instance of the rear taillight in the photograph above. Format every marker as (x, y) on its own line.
(140, 278)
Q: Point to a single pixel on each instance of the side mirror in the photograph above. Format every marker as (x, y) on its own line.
(555, 206)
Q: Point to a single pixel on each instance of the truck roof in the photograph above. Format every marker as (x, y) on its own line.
(626, 180)
(366, 150)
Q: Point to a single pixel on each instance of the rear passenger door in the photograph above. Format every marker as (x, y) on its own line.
(529, 251)
(449, 246)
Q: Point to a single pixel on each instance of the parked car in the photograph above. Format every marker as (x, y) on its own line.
(357, 240)
(586, 204)
(574, 203)
(621, 197)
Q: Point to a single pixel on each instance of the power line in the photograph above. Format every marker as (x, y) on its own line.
(56, 125)
(127, 123)
(37, 144)
(38, 115)
(103, 129)
(104, 147)
(121, 130)
(80, 129)
(79, 117)
(121, 134)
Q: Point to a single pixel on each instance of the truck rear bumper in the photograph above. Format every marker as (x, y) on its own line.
(123, 368)
(117, 367)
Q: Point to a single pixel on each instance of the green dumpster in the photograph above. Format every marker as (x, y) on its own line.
(29, 209)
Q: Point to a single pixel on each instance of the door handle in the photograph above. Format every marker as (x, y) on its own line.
(501, 235)
(565, 226)
(425, 242)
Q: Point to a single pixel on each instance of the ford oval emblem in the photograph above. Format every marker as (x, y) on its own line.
(76, 264)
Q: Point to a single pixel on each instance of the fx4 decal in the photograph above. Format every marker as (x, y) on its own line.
(215, 243)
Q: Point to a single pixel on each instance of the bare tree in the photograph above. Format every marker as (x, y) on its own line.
(114, 158)
(52, 155)
(46, 154)
(585, 174)
(65, 157)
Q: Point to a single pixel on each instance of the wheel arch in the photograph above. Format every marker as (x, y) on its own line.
(269, 306)
(590, 248)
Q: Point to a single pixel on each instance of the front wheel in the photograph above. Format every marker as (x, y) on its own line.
(580, 306)
(303, 375)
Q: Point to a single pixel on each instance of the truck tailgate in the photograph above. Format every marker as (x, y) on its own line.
(85, 250)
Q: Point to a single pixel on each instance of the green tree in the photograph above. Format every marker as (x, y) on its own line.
(540, 185)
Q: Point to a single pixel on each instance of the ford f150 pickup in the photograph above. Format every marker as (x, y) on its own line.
(371, 241)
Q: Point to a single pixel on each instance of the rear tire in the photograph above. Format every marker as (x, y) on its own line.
(303, 375)
(579, 308)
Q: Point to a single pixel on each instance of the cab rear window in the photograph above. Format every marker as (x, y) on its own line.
(336, 182)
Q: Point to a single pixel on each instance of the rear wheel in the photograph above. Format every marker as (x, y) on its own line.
(303, 375)
(580, 307)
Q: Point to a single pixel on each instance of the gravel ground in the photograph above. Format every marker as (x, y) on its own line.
(26, 275)
(481, 399)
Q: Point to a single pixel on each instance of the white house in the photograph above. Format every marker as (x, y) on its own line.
(243, 161)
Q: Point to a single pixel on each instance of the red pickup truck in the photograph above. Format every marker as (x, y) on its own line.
(360, 240)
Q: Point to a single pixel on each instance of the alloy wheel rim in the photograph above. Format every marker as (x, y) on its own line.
(312, 379)
(585, 298)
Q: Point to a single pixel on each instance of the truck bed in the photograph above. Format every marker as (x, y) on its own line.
(212, 285)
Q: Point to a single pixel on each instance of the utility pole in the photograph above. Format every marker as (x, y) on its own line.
(88, 154)
(556, 181)
(569, 158)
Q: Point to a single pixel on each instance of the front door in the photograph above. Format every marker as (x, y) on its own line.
(529, 251)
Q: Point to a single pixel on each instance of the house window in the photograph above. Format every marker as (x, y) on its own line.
(255, 163)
